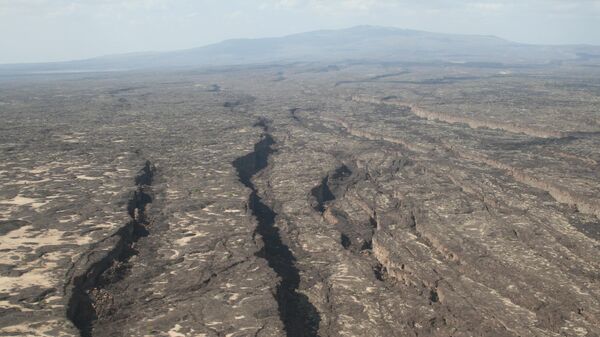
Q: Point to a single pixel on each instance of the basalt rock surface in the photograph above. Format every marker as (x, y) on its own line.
(392, 200)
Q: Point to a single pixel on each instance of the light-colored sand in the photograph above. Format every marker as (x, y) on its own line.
(34, 329)
(40, 271)
(84, 177)
(21, 201)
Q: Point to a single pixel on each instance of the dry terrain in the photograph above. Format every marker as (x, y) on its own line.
(304, 200)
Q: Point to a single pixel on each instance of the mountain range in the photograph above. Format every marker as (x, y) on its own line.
(356, 44)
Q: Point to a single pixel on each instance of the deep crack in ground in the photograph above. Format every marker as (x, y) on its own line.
(299, 316)
(89, 300)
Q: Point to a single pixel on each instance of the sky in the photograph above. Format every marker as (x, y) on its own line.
(58, 30)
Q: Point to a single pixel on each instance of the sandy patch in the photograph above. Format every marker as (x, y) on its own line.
(28, 236)
(23, 201)
(84, 177)
(33, 329)
(175, 331)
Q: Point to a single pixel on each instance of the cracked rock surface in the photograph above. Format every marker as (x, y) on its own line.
(393, 200)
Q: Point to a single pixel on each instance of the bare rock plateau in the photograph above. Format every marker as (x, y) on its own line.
(287, 200)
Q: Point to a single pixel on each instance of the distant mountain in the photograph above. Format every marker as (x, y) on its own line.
(362, 43)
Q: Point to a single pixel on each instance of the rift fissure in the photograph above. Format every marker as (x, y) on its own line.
(89, 299)
(299, 316)
(332, 187)
(326, 190)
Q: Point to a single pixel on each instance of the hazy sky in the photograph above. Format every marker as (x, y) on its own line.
(50, 30)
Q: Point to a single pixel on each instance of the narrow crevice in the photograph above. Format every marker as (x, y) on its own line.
(335, 186)
(299, 316)
(293, 112)
(90, 299)
(353, 236)
(322, 195)
(345, 241)
(214, 88)
(330, 186)
(433, 296)
(263, 123)
(239, 105)
(368, 242)
(380, 272)
(338, 183)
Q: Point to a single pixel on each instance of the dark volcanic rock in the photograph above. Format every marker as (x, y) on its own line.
(355, 200)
